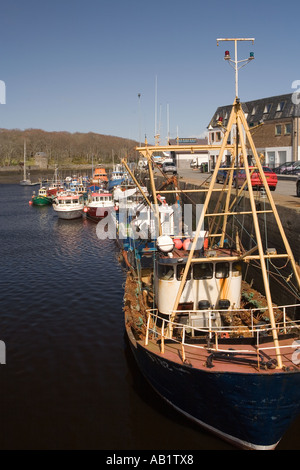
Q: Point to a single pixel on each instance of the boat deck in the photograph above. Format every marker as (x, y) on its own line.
(242, 358)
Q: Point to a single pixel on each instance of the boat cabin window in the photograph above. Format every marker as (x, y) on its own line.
(68, 201)
(203, 271)
(222, 270)
(165, 272)
(180, 271)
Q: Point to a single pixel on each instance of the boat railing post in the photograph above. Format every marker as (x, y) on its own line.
(209, 324)
(257, 347)
(284, 319)
(147, 330)
(182, 344)
(216, 340)
(162, 344)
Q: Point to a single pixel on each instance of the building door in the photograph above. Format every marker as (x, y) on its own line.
(271, 159)
(281, 157)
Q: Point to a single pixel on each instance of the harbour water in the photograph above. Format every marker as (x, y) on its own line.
(69, 381)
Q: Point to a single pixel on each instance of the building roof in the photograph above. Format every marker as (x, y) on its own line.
(265, 109)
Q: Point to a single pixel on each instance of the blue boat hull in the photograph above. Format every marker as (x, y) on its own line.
(250, 410)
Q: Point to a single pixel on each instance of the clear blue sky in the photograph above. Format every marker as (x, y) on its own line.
(79, 65)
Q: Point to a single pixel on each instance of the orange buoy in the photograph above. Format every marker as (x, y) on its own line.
(30, 203)
(177, 243)
(186, 244)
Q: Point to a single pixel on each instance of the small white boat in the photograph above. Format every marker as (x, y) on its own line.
(69, 205)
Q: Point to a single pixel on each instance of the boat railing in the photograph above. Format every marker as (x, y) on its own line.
(163, 328)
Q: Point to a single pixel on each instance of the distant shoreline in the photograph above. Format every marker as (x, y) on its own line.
(11, 175)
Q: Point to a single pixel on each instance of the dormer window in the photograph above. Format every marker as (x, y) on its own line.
(253, 111)
(267, 108)
(280, 106)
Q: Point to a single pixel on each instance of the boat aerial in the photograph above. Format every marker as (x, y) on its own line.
(209, 338)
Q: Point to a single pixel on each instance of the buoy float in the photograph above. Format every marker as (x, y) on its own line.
(85, 209)
(186, 244)
(177, 243)
(165, 243)
(30, 203)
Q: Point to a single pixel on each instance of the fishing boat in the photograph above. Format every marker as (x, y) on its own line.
(68, 205)
(43, 198)
(119, 177)
(55, 185)
(218, 349)
(100, 176)
(98, 205)
(136, 225)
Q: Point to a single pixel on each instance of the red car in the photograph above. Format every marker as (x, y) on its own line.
(256, 179)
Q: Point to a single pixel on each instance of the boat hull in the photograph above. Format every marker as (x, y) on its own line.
(41, 201)
(97, 213)
(69, 215)
(249, 410)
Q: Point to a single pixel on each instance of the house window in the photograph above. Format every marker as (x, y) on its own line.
(278, 129)
(218, 136)
(253, 111)
(267, 108)
(280, 106)
(288, 129)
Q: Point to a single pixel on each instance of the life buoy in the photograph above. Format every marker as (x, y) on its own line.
(224, 335)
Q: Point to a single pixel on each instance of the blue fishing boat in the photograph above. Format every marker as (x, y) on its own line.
(216, 349)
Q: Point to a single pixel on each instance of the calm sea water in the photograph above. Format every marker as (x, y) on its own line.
(70, 381)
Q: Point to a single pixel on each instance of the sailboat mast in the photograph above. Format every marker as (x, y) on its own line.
(24, 166)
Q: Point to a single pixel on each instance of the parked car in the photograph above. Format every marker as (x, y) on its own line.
(221, 175)
(169, 167)
(280, 168)
(293, 169)
(298, 186)
(256, 179)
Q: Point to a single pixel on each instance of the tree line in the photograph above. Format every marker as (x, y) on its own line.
(62, 147)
